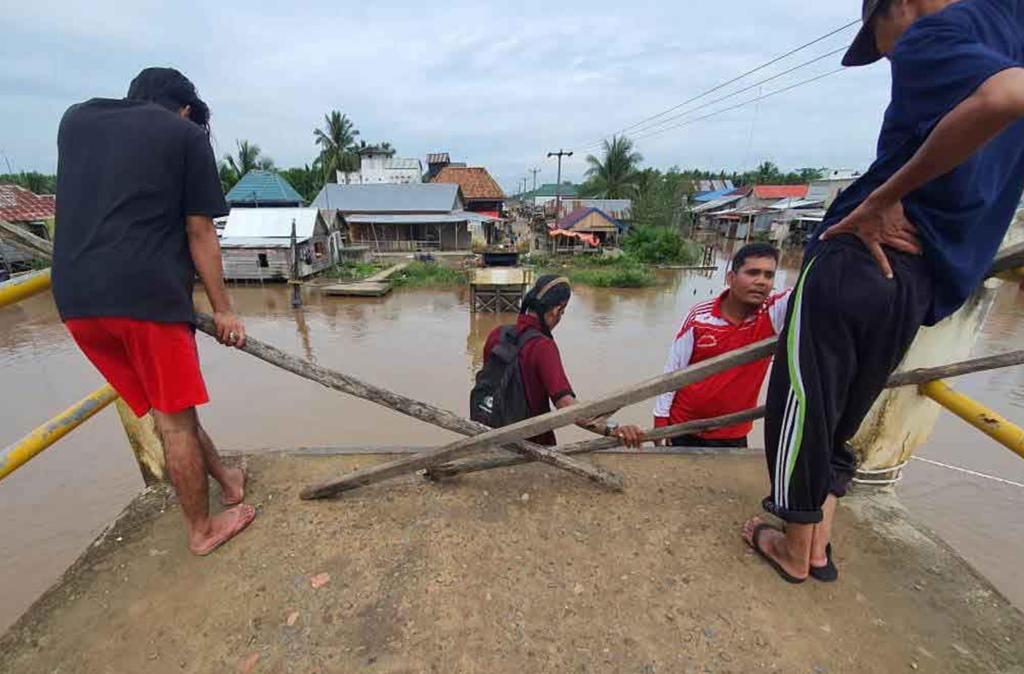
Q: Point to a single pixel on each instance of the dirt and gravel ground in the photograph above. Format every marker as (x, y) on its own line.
(522, 570)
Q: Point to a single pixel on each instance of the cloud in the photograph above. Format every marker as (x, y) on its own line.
(495, 84)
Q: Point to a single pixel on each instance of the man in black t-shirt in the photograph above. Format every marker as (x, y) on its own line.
(137, 191)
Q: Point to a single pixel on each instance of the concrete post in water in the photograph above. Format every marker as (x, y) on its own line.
(145, 443)
(902, 419)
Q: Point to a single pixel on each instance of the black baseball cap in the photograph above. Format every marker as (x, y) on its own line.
(864, 49)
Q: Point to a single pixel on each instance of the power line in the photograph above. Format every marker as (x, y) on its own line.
(739, 77)
(657, 132)
(755, 85)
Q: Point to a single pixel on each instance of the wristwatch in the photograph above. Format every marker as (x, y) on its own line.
(610, 428)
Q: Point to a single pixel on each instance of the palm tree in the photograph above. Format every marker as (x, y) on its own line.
(616, 176)
(768, 173)
(337, 141)
(249, 158)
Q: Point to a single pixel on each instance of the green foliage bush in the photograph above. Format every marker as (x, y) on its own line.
(660, 245)
(428, 274)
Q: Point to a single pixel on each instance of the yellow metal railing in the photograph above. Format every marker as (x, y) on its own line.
(18, 454)
(989, 422)
(23, 287)
(21, 452)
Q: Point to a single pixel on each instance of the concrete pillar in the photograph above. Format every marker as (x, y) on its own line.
(902, 420)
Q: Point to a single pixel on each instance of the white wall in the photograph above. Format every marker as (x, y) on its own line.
(378, 169)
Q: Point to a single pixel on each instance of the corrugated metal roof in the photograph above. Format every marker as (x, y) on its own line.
(574, 218)
(717, 203)
(787, 204)
(270, 222)
(414, 198)
(705, 197)
(548, 190)
(613, 207)
(416, 218)
(780, 191)
(255, 242)
(264, 187)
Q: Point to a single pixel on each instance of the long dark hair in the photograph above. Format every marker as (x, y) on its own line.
(172, 90)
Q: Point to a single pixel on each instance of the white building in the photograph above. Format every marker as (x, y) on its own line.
(827, 188)
(380, 167)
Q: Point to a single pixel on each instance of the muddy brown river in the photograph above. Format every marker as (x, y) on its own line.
(426, 344)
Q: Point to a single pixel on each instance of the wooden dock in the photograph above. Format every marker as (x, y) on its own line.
(498, 289)
(372, 286)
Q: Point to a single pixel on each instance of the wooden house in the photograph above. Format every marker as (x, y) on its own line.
(403, 218)
(256, 244)
(589, 225)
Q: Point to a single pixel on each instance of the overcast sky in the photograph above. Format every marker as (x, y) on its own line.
(496, 84)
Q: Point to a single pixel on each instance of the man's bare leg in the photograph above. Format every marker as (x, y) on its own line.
(791, 549)
(231, 480)
(187, 470)
(823, 532)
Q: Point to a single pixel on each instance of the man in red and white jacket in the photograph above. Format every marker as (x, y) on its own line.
(745, 313)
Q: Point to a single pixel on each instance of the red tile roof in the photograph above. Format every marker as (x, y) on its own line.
(20, 205)
(780, 191)
(476, 183)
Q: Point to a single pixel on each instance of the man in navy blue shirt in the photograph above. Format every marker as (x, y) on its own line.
(902, 247)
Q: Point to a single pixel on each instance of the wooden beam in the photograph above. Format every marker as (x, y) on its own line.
(595, 445)
(25, 240)
(908, 378)
(927, 374)
(546, 422)
(413, 408)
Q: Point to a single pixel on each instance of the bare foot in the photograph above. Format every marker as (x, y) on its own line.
(223, 527)
(771, 542)
(232, 490)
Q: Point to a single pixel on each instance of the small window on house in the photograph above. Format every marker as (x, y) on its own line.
(318, 248)
(264, 262)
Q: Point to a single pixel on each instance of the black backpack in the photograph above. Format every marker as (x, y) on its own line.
(499, 398)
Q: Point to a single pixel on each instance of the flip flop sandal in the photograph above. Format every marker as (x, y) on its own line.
(246, 514)
(756, 547)
(828, 573)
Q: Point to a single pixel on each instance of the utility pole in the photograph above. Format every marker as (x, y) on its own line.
(558, 183)
(535, 172)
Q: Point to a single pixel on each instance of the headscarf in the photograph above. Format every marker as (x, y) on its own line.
(548, 292)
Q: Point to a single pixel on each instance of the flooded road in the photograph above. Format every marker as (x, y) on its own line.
(426, 344)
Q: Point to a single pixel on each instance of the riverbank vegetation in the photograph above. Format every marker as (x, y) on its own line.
(415, 275)
(428, 275)
(644, 248)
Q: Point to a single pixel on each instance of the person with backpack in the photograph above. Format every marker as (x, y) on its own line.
(523, 373)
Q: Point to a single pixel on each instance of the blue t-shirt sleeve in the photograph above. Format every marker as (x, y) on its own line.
(936, 65)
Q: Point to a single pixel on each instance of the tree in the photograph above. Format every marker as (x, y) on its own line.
(615, 176)
(307, 180)
(33, 181)
(768, 173)
(337, 141)
(249, 158)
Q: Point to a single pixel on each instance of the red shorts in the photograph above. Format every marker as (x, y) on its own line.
(150, 365)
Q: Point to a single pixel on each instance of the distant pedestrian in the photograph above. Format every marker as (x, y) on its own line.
(137, 191)
(903, 246)
(745, 313)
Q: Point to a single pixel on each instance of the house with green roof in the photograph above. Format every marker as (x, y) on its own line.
(264, 189)
(546, 193)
